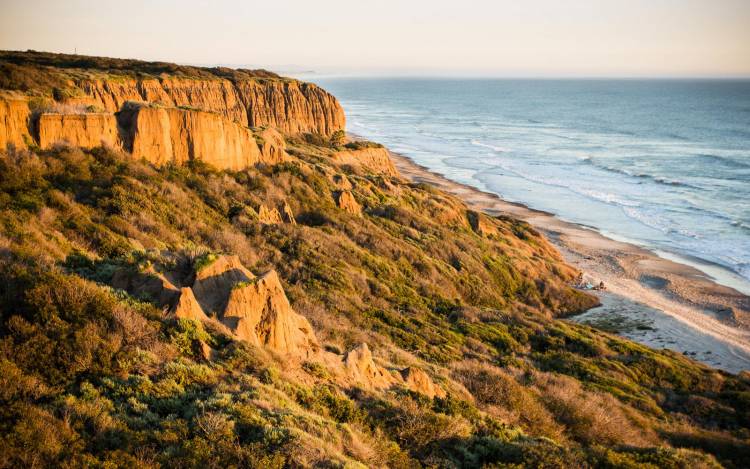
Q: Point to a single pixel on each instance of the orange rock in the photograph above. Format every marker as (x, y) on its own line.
(269, 216)
(481, 224)
(273, 146)
(259, 312)
(419, 381)
(291, 106)
(164, 135)
(187, 307)
(87, 130)
(14, 120)
(348, 203)
(215, 281)
(288, 215)
(363, 370)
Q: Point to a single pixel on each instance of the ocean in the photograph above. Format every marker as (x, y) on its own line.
(664, 164)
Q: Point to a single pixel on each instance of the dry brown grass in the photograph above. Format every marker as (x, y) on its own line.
(590, 417)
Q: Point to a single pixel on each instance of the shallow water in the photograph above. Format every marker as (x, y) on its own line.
(662, 163)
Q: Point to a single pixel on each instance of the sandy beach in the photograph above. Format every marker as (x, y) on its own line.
(656, 301)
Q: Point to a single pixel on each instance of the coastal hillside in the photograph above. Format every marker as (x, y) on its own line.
(203, 278)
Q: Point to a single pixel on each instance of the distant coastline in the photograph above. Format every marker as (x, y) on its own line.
(686, 310)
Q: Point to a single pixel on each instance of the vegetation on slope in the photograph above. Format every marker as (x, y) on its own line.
(97, 376)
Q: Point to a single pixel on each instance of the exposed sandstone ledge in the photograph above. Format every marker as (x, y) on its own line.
(291, 106)
(376, 160)
(14, 120)
(164, 135)
(82, 130)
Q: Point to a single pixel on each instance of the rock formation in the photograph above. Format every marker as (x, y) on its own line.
(419, 381)
(86, 130)
(177, 119)
(164, 135)
(272, 146)
(481, 224)
(342, 181)
(348, 203)
(269, 216)
(291, 106)
(259, 312)
(361, 368)
(254, 309)
(14, 120)
(147, 283)
(215, 281)
(375, 160)
(187, 306)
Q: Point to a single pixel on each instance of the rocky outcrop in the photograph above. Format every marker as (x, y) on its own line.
(147, 283)
(272, 146)
(269, 216)
(481, 224)
(346, 202)
(259, 312)
(375, 160)
(342, 181)
(187, 306)
(14, 120)
(214, 282)
(86, 130)
(291, 106)
(361, 369)
(254, 309)
(173, 135)
(419, 381)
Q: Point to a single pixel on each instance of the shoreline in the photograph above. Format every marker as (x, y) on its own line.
(700, 313)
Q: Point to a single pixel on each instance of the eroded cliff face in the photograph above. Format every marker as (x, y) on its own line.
(14, 120)
(292, 107)
(163, 135)
(230, 124)
(83, 130)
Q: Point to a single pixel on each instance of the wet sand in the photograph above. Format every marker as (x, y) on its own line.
(685, 309)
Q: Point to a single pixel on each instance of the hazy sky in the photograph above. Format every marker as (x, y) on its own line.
(485, 37)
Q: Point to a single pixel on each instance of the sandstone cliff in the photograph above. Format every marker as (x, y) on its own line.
(230, 119)
(163, 135)
(84, 130)
(14, 120)
(289, 105)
